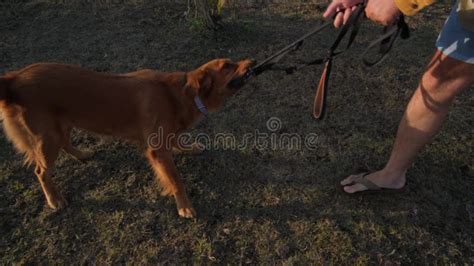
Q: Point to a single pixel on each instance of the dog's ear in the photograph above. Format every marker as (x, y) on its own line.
(198, 82)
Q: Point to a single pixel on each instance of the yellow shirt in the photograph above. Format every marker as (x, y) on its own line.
(411, 7)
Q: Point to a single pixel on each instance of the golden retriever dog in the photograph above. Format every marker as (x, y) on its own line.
(43, 102)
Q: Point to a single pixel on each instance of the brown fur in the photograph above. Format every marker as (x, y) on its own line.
(42, 103)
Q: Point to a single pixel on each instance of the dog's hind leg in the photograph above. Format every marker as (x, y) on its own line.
(46, 156)
(81, 155)
(170, 180)
(46, 136)
(44, 172)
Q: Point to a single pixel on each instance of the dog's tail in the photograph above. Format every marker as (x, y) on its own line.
(15, 129)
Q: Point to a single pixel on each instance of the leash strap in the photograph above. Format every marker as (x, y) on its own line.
(353, 24)
(270, 62)
(385, 43)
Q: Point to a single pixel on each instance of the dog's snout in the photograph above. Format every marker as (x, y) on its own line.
(248, 63)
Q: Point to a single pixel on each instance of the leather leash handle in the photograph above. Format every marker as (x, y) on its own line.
(319, 106)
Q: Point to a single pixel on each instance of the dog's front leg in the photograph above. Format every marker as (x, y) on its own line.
(163, 164)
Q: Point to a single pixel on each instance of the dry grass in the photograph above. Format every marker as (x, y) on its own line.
(255, 206)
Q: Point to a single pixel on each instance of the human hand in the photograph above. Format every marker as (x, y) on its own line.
(343, 10)
(384, 12)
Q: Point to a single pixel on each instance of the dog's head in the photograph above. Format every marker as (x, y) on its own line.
(211, 81)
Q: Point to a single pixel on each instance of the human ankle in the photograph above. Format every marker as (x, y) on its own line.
(395, 176)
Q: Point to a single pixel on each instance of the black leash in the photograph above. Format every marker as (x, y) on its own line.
(385, 43)
(269, 63)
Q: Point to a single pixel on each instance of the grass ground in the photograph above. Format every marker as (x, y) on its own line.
(255, 205)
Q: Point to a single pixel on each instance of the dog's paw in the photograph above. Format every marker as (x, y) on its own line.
(85, 155)
(57, 203)
(187, 213)
(197, 148)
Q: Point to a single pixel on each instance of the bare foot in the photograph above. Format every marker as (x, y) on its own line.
(380, 178)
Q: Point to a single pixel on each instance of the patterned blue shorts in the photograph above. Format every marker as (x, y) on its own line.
(455, 41)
